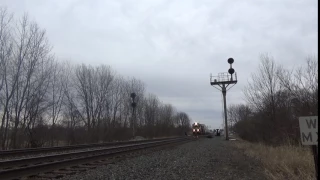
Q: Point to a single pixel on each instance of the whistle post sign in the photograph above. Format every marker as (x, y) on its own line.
(309, 130)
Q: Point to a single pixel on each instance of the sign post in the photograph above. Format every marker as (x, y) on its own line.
(309, 135)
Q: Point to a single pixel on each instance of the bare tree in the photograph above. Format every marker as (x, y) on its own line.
(5, 44)
(32, 53)
(5, 56)
(278, 96)
(166, 119)
(261, 92)
(56, 96)
(108, 97)
(85, 84)
(183, 122)
(150, 113)
(82, 103)
(29, 50)
(302, 83)
(73, 119)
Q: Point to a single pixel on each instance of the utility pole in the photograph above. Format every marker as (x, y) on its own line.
(133, 105)
(223, 80)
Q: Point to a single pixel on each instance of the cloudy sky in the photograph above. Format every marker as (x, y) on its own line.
(174, 45)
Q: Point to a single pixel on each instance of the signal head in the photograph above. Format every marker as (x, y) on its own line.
(231, 71)
(230, 60)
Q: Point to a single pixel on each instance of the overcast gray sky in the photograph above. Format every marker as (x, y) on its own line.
(174, 45)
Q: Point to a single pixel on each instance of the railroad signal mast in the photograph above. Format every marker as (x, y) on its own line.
(133, 117)
(223, 80)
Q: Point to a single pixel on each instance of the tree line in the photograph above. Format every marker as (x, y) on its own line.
(275, 98)
(47, 102)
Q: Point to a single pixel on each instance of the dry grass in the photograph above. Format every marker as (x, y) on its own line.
(284, 162)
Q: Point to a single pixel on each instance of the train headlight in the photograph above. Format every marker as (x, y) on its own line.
(193, 130)
(198, 130)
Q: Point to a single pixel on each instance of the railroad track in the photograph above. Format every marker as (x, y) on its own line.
(34, 151)
(26, 167)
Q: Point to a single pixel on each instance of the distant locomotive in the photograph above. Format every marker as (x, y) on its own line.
(198, 129)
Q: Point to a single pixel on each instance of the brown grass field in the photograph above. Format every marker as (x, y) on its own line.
(283, 162)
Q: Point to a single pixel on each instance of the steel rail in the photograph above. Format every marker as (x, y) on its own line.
(76, 159)
(33, 160)
(30, 151)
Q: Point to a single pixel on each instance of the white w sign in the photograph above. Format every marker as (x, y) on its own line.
(309, 130)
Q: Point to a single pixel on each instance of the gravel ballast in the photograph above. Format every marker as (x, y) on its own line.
(202, 159)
